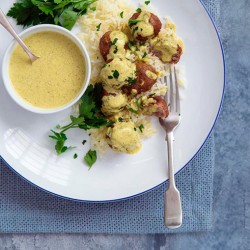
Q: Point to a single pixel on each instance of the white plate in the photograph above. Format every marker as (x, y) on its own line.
(26, 148)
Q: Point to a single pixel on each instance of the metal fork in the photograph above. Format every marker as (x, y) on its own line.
(172, 209)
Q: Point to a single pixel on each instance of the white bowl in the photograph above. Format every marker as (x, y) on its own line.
(5, 68)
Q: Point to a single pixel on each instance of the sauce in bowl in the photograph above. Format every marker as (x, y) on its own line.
(53, 80)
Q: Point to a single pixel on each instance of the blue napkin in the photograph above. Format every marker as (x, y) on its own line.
(24, 208)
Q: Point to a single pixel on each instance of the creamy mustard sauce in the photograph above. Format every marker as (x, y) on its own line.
(143, 27)
(151, 75)
(118, 40)
(123, 137)
(117, 73)
(113, 104)
(55, 78)
(167, 45)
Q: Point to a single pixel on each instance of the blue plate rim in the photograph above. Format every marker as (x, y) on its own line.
(153, 188)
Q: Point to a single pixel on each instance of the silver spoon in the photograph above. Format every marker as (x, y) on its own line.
(5, 23)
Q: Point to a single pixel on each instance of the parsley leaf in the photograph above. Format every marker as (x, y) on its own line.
(116, 74)
(132, 22)
(90, 158)
(147, 2)
(83, 142)
(141, 127)
(130, 80)
(133, 110)
(93, 9)
(60, 141)
(144, 55)
(138, 10)
(75, 156)
(121, 14)
(98, 27)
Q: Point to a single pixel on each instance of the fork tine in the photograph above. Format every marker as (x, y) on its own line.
(178, 109)
(171, 96)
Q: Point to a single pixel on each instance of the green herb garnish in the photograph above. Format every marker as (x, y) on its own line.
(133, 111)
(132, 22)
(130, 80)
(138, 10)
(90, 116)
(116, 74)
(93, 9)
(83, 142)
(98, 27)
(141, 127)
(144, 55)
(130, 45)
(147, 2)
(110, 77)
(75, 156)
(90, 158)
(135, 129)
(115, 41)
(121, 14)
(60, 12)
(60, 141)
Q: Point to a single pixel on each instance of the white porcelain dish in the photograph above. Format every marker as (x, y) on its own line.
(25, 146)
(5, 65)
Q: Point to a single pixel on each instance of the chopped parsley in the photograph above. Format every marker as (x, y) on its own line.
(147, 2)
(104, 65)
(90, 158)
(98, 27)
(135, 129)
(121, 14)
(144, 55)
(132, 22)
(133, 111)
(60, 139)
(138, 104)
(93, 9)
(138, 10)
(75, 156)
(116, 74)
(130, 80)
(115, 50)
(110, 77)
(83, 142)
(141, 127)
(115, 41)
(130, 45)
(134, 30)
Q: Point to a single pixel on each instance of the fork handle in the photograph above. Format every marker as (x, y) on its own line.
(172, 205)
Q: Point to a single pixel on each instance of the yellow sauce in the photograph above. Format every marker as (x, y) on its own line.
(151, 75)
(118, 40)
(123, 137)
(167, 45)
(117, 73)
(113, 104)
(143, 28)
(55, 78)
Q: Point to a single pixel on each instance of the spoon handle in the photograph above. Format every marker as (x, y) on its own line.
(6, 24)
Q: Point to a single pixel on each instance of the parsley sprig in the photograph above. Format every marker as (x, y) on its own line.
(60, 12)
(90, 116)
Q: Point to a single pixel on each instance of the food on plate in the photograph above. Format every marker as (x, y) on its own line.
(146, 77)
(117, 73)
(113, 103)
(113, 44)
(144, 25)
(123, 137)
(128, 59)
(166, 48)
(56, 78)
